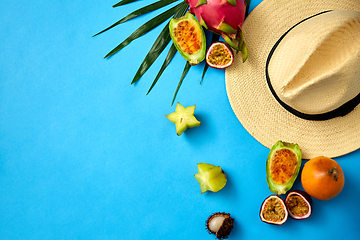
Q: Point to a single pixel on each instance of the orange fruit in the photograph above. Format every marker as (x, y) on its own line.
(322, 178)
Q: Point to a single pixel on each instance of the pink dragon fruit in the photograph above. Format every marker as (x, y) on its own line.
(224, 17)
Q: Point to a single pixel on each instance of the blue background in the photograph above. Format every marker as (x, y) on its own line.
(86, 155)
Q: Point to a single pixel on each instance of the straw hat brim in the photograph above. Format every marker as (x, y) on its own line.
(254, 105)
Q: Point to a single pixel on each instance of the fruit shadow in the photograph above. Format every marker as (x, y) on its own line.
(201, 134)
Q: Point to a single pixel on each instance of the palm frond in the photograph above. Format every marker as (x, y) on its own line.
(159, 45)
(186, 70)
(123, 2)
(167, 60)
(247, 8)
(139, 12)
(148, 26)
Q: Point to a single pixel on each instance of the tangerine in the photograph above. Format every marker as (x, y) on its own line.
(322, 178)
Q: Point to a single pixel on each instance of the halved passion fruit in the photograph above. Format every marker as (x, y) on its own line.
(220, 224)
(189, 38)
(219, 55)
(298, 204)
(273, 210)
(282, 166)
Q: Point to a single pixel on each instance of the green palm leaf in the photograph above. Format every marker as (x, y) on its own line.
(247, 8)
(123, 2)
(139, 12)
(168, 59)
(159, 45)
(186, 70)
(148, 26)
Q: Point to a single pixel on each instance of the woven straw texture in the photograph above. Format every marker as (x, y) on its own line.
(254, 105)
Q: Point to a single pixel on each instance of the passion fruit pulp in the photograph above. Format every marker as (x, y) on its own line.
(282, 166)
(189, 38)
(298, 204)
(219, 55)
(273, 210)
(220, 224)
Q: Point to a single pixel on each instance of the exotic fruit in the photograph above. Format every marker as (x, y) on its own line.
(219, 55)
(322, 178)
(298, 204)
(211, 178)
(183, 118)
(273, 210)
(189, 38)
(224, 17)
(220, 224)
(282, 166)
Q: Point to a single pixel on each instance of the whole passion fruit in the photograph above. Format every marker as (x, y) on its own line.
(189, 38)
(298, 204)
(273, 210)
(220, 224)
(282, 166)
(219, 55)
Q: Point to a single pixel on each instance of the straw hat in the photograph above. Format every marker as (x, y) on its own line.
(301, 81)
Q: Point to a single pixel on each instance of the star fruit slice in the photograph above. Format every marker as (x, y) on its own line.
(183, 118)
(211, 178)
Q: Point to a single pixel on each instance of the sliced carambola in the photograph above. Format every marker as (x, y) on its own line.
(189, 38)
(211, 178)
(183, 118)
(282, 166)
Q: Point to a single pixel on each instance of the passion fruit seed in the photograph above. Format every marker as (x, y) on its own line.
(211, 178)
(187, 38)
(220, 224)
(273, 211)
(298, 204)
(282, 166)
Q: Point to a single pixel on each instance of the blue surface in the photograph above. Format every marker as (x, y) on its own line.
(86, 155)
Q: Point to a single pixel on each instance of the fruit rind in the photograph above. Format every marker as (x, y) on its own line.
(198, 49)
(288, 148)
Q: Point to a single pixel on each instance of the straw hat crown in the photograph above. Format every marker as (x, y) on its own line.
(316, 66)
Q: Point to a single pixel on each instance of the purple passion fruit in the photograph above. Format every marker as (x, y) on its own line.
(219, 55)
(211, 178)
(220, 224)
(298, 204)
(273, 210)
(189, 38)
(183, 118)
(282, 166)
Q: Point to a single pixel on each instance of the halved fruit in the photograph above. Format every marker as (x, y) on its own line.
(183, 118)
(189, 38)
(220, 224)
(298, 204)
(282, 166)
(211, 178)
(273, 210)
(219, 55)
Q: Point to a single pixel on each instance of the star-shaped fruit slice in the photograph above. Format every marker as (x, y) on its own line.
(183, 118)
(210, 177)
